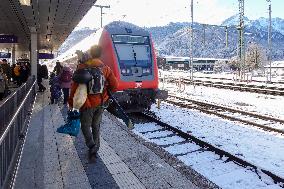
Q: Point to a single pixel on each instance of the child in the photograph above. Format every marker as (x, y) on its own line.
(55, 89)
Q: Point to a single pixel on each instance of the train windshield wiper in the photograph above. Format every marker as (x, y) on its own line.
(134, 56)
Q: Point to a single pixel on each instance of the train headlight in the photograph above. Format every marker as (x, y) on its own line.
(123, 71)
(128, 71)
(146, 70)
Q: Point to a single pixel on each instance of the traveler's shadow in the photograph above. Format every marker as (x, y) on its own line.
(98, 174)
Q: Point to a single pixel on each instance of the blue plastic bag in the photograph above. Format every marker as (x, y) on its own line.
(72, 127)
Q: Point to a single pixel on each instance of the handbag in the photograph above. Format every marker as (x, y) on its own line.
(72, 127)
(80, 96)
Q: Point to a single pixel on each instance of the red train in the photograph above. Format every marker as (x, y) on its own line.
(128, 50)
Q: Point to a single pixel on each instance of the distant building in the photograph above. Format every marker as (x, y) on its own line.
(277, 68)
(183, 63)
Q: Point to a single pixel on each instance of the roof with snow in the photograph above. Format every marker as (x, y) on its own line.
(194, 59)
(276, 64)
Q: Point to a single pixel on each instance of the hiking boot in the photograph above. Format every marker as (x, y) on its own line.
(92, 158)
(93, 150)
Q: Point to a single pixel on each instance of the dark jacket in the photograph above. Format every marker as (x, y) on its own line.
(57, 69)
(7, 70)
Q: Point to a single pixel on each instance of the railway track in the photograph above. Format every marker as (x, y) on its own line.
(228, 79)
(271, 90)
(162, 133)
(264, 122)
(239, 87)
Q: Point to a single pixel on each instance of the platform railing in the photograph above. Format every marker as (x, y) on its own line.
(15, 114)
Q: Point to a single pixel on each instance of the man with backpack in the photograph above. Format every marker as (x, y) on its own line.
(102, 80)
(65, 78)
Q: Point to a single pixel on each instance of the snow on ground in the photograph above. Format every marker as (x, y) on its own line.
(254, 102)
(261, 148)
(227, 175)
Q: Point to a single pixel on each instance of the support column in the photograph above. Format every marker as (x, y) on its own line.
(13, 55)
(34, 51)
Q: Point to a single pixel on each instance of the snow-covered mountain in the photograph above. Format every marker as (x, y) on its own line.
(75, 37)
(209, 41)
(261, 23)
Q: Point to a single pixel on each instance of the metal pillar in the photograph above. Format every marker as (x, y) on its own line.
(241, 36)
(34, 51)
(13, 55)
(269, 40)
(191, 42)
(101, 7)
(226, 30)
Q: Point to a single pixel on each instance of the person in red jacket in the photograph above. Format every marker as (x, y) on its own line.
(91, 111)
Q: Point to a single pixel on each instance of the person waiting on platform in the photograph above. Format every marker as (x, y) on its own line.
(65, 79)
(24, 72)
(92, 110)
(40, 76)
(55, 89)
(17, 74)
(57, 68)
(3, 83)
(6, 69)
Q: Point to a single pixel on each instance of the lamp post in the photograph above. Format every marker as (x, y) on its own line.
(101, 7)
(269, 39)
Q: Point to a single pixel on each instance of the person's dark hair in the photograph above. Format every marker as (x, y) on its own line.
(58, 63)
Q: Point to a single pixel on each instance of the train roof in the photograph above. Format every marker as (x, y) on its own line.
(125, 28)
(116, 27)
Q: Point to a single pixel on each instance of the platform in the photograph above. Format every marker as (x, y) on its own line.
(53, 160)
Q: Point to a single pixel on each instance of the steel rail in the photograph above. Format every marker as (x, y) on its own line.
(210, 147)
(215, 109)
(233, 86)
(239, 87)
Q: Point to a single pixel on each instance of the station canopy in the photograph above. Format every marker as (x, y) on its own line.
(53, 20)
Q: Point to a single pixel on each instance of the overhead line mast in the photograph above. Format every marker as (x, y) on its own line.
(241, 37)
(101, 7)
(269, 40)
(191, 40)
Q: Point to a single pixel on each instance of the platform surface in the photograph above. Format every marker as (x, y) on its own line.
(53, 160)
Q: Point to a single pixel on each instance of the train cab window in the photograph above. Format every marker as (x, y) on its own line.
(133, 51)
(138, 55)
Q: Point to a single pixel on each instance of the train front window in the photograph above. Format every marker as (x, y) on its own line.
(133, 55)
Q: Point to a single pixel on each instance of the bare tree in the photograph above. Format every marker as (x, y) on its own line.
(234, 63)
(255, 57)
(221, 66)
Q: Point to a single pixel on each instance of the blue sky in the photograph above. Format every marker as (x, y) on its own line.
(161, 12)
